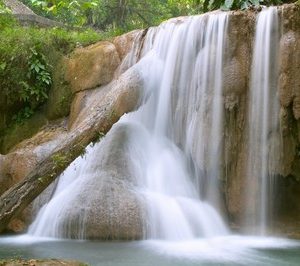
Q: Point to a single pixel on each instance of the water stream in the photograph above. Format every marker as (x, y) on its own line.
(264, 136)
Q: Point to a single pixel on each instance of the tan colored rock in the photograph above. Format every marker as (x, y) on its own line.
(87, 101)
(284, 152)
(78, 104)
(92, 66)
(19, 164)
(60, 95)
(286, 76)
(17, 226)
(124, 43)
(130, 48)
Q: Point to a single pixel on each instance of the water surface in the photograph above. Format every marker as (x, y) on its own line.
(230, 250)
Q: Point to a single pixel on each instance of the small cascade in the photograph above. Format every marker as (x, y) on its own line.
(264, 138)
(171, 150)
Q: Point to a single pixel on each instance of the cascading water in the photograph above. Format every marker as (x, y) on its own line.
(263, 121)
(172, 145)
(185, 68)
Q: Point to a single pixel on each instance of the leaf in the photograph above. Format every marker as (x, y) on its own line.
(41, 66)
(3, 66)
(255, 2)
(229, 4)
(33, 51)
(245, 5)
(44, 94)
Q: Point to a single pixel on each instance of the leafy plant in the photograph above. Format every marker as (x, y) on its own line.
(34, 88)
(39, 74)
(73, 12)
(124, 15)
(239, 4)
(23, 114)
(26, 57)
(3, 8)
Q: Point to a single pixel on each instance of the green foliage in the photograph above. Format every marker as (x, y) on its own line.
(60, 160)
(114, 15)
(3, 8)
(124, 15)
(26, 57)
(100, 135)
(35, 88)
(244, 4)
(24, 73)
(71, 12)
(185, 7)
(23, 115)
(105, 14)
(239, 4)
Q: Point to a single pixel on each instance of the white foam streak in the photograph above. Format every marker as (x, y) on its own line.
(263, 120)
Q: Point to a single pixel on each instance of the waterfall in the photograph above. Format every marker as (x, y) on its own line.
(263, 122)
(183, 108)
(170, 147)
(156, 174)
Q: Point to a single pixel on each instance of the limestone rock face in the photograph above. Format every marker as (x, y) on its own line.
(124, 42)
(236, 92)
(92, 66)
(60, 95)
(84, 102)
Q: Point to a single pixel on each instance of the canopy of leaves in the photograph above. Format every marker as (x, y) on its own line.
(3, 8)
(124, 15)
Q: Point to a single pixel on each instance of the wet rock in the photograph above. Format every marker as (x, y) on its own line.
(92, 66)
(124, 42)
(60, 95)
(21, 131)
(103, 204)
(84, 102)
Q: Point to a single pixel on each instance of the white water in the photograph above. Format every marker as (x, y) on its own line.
(178, 124)
(173, 145)
(263, 121)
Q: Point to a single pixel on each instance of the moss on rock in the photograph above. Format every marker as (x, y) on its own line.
(21, 131)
